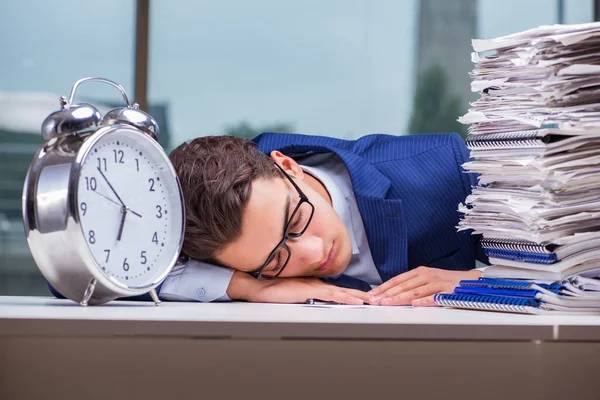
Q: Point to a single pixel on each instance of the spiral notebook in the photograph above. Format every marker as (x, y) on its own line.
(522, 256)
(519, 250)
(507, 284)
(527, 138)
(592, 255)
(548, 274)
(523, 297)
(517, 245)
(548, 140)
(523, 251)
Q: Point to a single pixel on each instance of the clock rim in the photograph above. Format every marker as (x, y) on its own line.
(82, 154)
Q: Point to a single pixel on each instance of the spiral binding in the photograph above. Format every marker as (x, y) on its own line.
(523, 256)
(530, 138)
(509, 284)
(517, 245)
(494, 303)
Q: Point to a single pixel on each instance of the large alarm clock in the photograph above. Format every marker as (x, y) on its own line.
(102, 205)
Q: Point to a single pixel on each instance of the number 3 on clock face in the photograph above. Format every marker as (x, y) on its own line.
(129, 208)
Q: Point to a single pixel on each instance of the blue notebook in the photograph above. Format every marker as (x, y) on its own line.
(491, 303)
(485, 291)
(517, 245)
(510, 284)
(524, 256)
(517, 296)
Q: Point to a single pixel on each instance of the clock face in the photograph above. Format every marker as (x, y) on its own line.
(129, 207)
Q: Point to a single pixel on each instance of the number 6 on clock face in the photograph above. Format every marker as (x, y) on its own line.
(129, 208)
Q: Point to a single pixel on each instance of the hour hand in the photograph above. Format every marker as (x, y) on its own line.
(124, 214)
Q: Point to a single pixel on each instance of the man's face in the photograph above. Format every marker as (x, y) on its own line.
(263, 223)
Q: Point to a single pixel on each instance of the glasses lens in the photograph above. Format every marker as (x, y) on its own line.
(300, 220)
(276, 264)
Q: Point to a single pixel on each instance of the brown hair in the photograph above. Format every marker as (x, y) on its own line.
(216, 175)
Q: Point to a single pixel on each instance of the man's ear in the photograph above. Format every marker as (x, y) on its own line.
(288, 164)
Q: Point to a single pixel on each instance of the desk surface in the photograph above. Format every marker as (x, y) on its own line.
(46, 316)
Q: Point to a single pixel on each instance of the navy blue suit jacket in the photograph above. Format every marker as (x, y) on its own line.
(408, 189)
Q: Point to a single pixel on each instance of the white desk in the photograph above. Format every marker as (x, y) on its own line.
(176, 350)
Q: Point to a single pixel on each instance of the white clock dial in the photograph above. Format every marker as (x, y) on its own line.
(129, 207)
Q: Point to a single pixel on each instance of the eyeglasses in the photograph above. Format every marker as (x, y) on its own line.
(294, 228)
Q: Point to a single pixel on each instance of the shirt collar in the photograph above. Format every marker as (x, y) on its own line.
(338, 200)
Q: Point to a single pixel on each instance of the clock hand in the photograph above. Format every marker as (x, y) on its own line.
(124, 212)
(106, 197)
(133, 212)
(111, 188)
(112, 201)
(118, 198)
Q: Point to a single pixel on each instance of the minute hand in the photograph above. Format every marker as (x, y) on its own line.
(111, 188)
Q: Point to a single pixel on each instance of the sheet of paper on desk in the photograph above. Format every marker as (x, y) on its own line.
(321, 304)
(329, 305)
(348, 306)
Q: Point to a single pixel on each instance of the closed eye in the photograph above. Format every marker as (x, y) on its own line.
(277, 265)
(298, 219)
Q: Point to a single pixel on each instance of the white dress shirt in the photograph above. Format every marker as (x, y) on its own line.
(200, 281)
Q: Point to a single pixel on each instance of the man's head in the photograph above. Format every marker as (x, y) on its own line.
(238, 203)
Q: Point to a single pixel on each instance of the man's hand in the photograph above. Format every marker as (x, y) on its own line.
(290, 290)
(418, 286)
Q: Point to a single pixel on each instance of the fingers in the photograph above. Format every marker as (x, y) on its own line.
(417, 281)
(340, 296)
(424, 302)
(395, 281)
(359, 294)
(406, 298)
(344, 296)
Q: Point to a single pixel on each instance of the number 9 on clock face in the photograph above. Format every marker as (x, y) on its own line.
(129, 208)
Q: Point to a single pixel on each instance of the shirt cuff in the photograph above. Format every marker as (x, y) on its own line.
(196, 281)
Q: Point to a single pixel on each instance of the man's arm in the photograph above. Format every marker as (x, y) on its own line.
(197, 281)
(200, 281)
(290, 290)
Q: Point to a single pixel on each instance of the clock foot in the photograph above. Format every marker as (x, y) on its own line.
(88, 292)
(154, 296)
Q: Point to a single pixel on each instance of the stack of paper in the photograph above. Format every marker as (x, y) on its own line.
(534, 138)
(543, 76)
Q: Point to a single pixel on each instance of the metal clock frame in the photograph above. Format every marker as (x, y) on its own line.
(51, 218)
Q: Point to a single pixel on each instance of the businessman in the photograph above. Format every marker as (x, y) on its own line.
(288, 217)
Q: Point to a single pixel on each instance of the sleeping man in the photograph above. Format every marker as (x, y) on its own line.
(289, 217)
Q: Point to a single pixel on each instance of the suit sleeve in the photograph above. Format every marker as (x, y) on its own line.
(196, 281)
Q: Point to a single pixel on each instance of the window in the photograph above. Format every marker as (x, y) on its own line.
(342, 68)
(46, 47)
